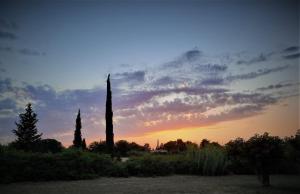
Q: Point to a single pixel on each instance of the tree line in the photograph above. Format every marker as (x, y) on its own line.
(261, 154)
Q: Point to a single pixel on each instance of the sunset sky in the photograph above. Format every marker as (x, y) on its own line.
(179, 68)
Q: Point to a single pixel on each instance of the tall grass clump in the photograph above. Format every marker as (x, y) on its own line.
(149, 165)
(210, 160)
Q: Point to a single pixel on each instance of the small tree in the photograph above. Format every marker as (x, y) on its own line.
(27, 132)
(98, 147)
(265, 153)
(49, 145)
(122, 147)
(77, 142)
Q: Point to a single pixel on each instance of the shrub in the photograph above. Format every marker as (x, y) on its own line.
(67, 165)
(149, 165)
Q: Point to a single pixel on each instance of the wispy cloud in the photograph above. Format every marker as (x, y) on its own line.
(211, 68)
(196, 96)
(7, 35)
(257, 59)
(291, 49)
(23, 51)
(8, 24)
(277, 86)
(186, 58)
(292, 56)
(260, 72)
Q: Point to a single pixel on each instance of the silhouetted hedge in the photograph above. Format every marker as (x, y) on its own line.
(67, 165)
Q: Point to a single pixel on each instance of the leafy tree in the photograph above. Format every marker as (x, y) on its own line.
(27, 132)
(147, 147)
(191, 145)
(122, 147)
(77, 142)
(264, 152)
(98, 147)
(171, 146)
(204, 143)
(237, 155)
(181, 146)
(49, 145)
(292, 153)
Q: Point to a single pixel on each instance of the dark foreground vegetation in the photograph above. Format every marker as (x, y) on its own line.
(31, 158)
(262, 155)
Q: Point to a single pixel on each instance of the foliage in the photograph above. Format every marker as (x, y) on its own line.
(149, 165)
(209, 161)
(83, 144)
(71, 164)
(48, 145)
(265, 153)
(237, 155)
(77, 142)
(98, 147)
(27, 132)
(177, 146)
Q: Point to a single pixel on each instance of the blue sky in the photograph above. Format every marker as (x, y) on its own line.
(57, 54)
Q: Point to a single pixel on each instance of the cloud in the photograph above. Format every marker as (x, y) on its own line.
(291, 52)
(56, 110)
(165, 80)
(23, 51)
(276, 86)
(26, 51)
(192, 55)
(260, 58)
(260, 72)
(183, 100)
(291, 49)
(186, 58)
(7, 24)
(6, 49)
(135, 98)
(292, 56)
(7, 35)
(5, 85)
(209, 68)
(2, 70)
(213, 81)
(129, 78)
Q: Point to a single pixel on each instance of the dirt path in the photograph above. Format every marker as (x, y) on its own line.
(170, 184)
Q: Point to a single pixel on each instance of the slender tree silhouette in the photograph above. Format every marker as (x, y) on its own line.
(26, 132)
(109, 119)
(77, 142)
(83, 144)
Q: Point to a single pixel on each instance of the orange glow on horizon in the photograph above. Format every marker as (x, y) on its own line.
(280, 120)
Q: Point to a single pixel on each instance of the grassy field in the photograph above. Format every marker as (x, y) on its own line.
(170, 184)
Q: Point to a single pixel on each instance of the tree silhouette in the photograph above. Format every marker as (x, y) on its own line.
(265, 153)
(26, 132)
(49, 145)
(109, 119)
(77, 142)
(83, 144)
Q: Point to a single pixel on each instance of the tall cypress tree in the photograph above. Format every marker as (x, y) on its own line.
(77, 142)
(27, 132)
(109, 118)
